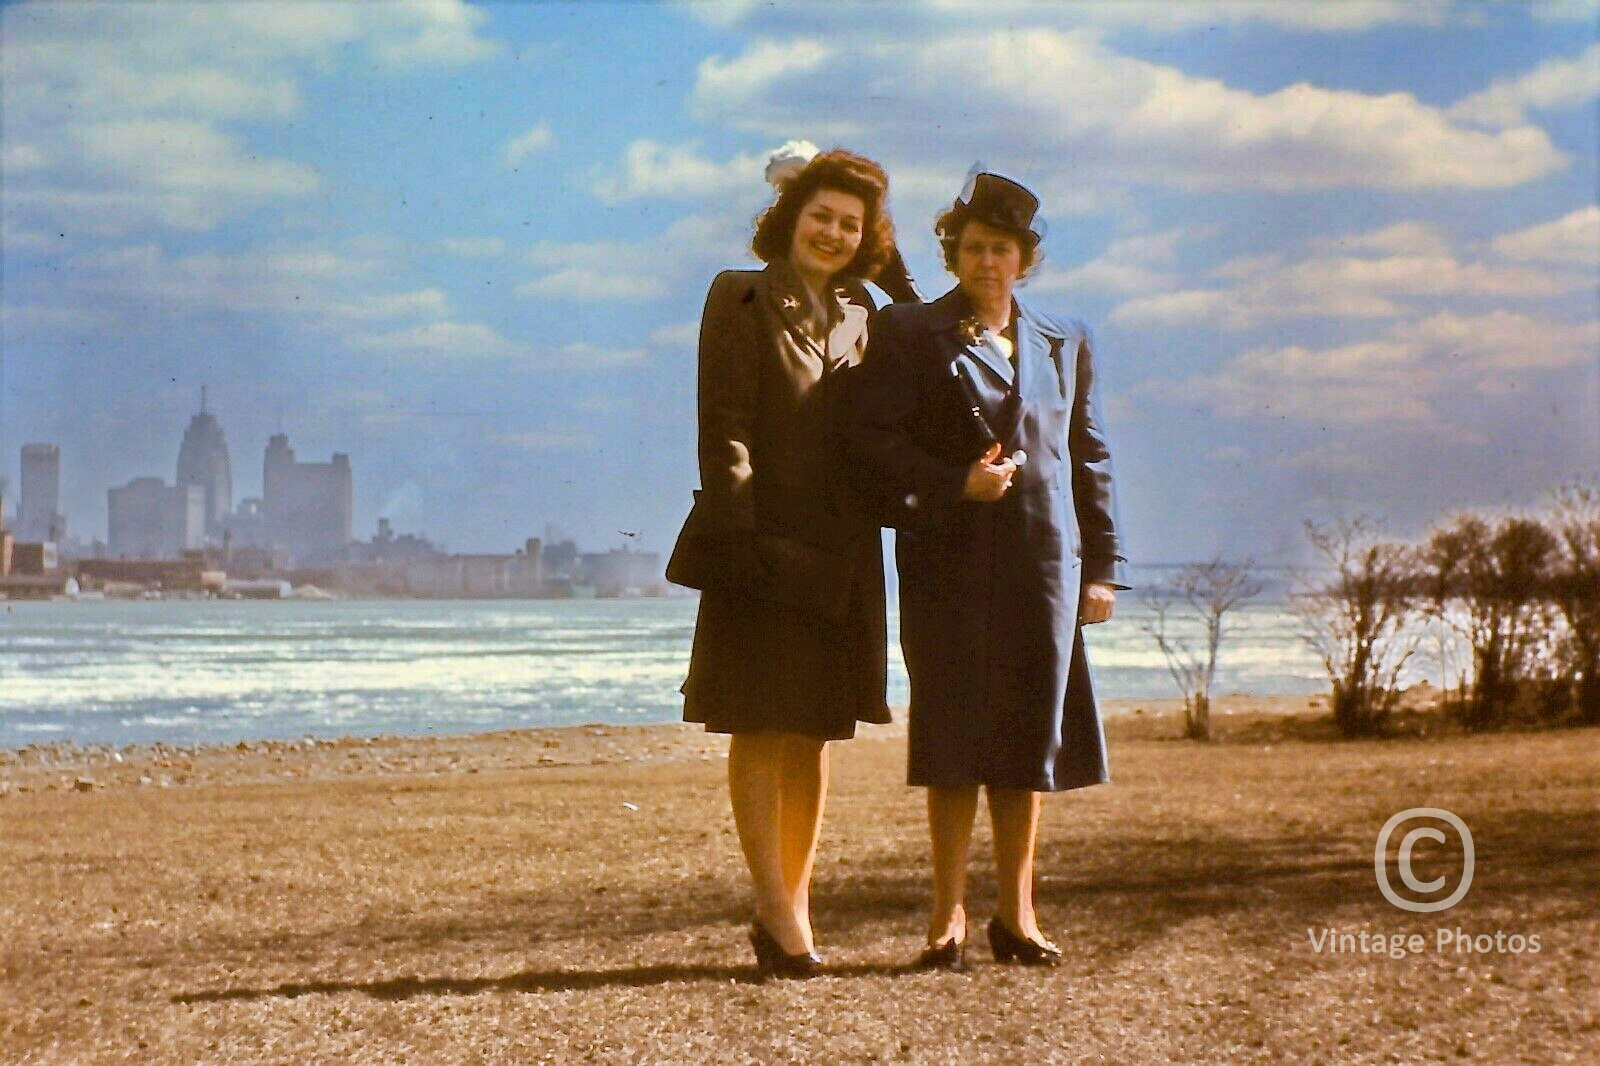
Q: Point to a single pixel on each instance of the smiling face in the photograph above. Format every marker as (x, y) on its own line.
(988, 263)
(827, 234)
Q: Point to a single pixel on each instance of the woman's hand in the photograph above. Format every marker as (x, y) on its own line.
(1099, 601)
(988, 480)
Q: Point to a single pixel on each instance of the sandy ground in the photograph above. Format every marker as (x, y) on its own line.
(577, 896)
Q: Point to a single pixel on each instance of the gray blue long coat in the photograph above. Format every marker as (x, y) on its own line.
(989, 592)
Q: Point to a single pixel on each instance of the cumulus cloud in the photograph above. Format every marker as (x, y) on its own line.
(1079, 104)
(521, 147)
(1133, 264)
(1379, 274)
(1398, 379)
(652, 169)
(686, 253)
(1573, 238)
(1556, 83)
(125, 108)
(1149, 16)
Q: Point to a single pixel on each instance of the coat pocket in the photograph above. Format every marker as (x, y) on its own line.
(809, 579)
(705, 560)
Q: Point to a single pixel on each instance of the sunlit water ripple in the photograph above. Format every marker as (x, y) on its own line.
(218, 671)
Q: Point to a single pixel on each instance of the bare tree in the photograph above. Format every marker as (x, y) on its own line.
(1360, 620)
(1575, 589)
(1208, 592)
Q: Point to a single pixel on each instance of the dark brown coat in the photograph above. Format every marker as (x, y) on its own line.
(791, 636)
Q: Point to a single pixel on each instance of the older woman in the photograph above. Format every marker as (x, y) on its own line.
(974, 417)
(789, 644)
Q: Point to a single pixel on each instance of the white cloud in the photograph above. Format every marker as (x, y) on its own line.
(125, 104)
(686, 253)
(446, 340)
(1556, 83)
(1130, 264)
(652, 169)
(1406, 263)
(1148, 16)
(1090, 113)
(428, 32)
(762, 64)
(424, 303)
(1399, 380)
(184, 156)
(521, 147)
(677, 335)
(1573, 238)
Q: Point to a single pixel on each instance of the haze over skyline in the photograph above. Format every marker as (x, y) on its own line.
(1339, 258)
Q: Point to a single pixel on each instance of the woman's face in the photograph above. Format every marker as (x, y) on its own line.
(988, 262)
(828, 233)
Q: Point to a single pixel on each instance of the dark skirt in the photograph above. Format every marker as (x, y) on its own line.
(759, 667)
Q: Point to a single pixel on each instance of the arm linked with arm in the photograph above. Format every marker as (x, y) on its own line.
(900, 479)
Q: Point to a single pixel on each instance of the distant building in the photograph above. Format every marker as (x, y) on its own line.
(247, 526)
(475, 576)
(203, 461)
(621, 572)
(39, 511)
(149, 519)
(308, 506)
(385, 547)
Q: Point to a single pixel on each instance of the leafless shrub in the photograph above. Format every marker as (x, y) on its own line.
(1360, 620)
(1206, 593)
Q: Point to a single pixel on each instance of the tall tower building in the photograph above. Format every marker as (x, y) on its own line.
(203, 461)
(39, 510)
(308, 507)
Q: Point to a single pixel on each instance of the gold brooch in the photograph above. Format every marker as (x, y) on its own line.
(791, 304)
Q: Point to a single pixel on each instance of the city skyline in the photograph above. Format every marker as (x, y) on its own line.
(1339, 259)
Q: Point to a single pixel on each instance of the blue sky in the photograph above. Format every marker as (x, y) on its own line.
(1341, 258)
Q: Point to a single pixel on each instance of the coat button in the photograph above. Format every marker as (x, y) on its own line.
(911, 501)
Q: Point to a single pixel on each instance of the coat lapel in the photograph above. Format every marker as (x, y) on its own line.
(955, 318)
(789, 300)
(844, 340)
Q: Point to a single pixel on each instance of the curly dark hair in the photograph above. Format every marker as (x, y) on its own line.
(844, 172)
(949, 225)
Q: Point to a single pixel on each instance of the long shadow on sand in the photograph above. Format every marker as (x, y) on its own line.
(400, 988)
(1128, 893)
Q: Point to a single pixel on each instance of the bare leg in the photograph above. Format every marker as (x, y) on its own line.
(950, 814)
(755, 787)
(804, 793)
(1015, 815)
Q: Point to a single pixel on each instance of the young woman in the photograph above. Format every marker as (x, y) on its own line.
(789, 645)
(1007, 545)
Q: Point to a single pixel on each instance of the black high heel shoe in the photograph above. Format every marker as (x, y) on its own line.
(950, 955)
(773, 961)
(1009, 947)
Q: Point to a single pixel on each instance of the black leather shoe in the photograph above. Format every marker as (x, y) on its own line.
(773, 961)
(950, 956)
(1009, 947)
